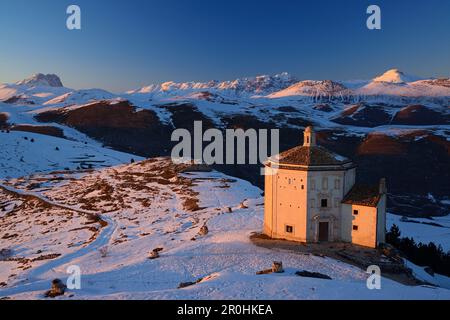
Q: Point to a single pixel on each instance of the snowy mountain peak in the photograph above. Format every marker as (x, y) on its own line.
(395, 76)
(264, 84)
(39, 79)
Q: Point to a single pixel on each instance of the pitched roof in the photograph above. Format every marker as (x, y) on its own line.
(363, 195)
(310, 156)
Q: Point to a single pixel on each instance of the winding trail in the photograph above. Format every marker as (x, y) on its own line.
(33, 280)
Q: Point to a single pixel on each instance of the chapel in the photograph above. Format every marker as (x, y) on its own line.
(311, 196)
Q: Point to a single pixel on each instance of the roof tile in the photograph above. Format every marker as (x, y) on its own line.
(363, 195)
(310, 156)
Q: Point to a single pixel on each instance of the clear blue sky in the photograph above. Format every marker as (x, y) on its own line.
(127, 44)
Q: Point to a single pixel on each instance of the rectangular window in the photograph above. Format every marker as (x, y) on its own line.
(324, 203)
(313, 185)
(325, 183)
(312, 203)
(289, 229)
(355, 212)
(355, 228)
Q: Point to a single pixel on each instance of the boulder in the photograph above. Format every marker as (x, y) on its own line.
(277, 267)
(58, 289)
(203, 230)
(153, 255)
(243, 206)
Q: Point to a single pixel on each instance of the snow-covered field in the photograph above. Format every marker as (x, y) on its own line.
(154, 204)
(26, 153)
(424, 230)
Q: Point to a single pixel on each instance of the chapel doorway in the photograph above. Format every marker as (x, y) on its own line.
(323, 231)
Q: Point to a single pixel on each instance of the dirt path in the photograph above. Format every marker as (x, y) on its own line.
(34, 280)
(36, 196)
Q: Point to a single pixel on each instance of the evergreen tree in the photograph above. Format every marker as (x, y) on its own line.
(393, 236)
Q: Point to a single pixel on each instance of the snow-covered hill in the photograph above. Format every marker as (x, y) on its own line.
(29, 95)
(29, 147)
(35, 90)
(78, 97)
(392, 86)
(40, 89)
(395, 76)
(315, 89)
(396, 83)
(27, 153)
(155, 204)
(39, 80)
(435, 230)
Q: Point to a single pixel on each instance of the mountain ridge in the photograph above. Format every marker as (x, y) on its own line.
(49, 90)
